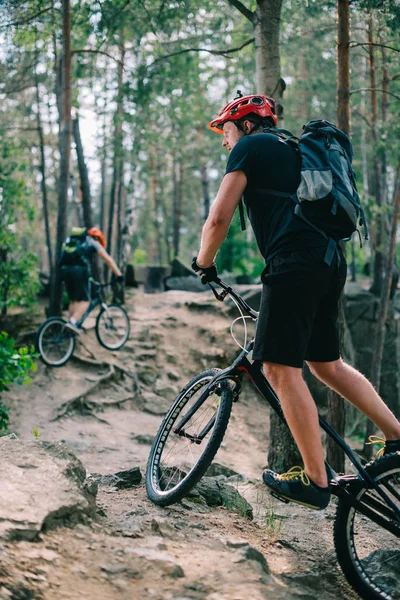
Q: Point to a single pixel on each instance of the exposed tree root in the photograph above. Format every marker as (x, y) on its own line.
(79, 404)
(118, 368)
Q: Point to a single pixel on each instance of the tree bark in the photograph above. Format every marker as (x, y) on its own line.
(336, 405)
(205, 184)
(84, 177)
(154, 205)
(379, 261)
(177, 176)
(43, 185)
(118, 150)
(103, 170)
(267, 21)
(384, 307)
(65, 153)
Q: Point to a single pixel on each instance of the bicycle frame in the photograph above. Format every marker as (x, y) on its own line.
(252, 369)
(94, 302)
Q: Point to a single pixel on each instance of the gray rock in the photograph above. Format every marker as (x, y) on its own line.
(155, 404)
(249, 553)
(218, 493)
(47, 485)
(191, 283)
(147, 375)
(385, 566)
(217, 469)
(122, 480)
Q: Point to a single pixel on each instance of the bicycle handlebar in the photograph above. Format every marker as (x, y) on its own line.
(98, 284)
(228, 291)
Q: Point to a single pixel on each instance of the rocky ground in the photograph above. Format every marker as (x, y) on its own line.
(106, 407)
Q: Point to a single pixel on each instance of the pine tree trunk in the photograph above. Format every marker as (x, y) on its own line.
(153, 184)
(336, 404)
(177, 202)
(205, 184)
(103, 171)
(65, 153)
(43, 182)
(383, 308)
(378, 275)
(117, 158)
(268, 61)
(84, 176)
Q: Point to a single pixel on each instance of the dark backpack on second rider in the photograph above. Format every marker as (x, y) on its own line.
(74, 250)
(327, 197)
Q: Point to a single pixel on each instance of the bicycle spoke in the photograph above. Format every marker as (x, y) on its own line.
(375, 551)
(180, 453)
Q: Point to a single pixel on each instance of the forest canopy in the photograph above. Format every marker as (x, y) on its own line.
(144, 78)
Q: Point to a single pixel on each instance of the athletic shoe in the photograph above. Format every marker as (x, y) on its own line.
(74, 328)
(388, 446)
(296, 486)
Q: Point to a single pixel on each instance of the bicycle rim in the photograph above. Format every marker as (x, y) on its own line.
(370, 555)
(112, 327)
(55, 343)
(179, 457)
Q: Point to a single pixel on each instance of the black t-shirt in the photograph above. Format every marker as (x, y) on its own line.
(270, 163)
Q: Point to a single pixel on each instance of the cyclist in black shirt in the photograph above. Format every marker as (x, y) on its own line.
(299, 308)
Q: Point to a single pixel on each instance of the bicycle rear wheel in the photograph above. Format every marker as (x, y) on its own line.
(368, 554)
(188, 438)
(54, 342)
(112, 327)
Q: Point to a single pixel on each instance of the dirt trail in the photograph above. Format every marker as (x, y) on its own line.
(135, 550)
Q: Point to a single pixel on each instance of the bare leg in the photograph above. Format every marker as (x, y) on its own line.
(352, 385)
(77, 309)
(302, 417)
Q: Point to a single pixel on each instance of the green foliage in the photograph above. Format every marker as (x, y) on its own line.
(15, 366)
(139, 257)
(19, 282)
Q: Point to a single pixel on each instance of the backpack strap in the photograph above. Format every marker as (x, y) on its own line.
(332, 244)
(241, 214)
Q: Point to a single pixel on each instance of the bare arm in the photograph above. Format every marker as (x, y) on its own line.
(109, 261)
(217, 225)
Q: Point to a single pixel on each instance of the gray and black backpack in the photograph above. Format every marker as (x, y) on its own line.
(327, 197)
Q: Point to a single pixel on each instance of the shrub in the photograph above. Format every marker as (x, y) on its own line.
(15, 366)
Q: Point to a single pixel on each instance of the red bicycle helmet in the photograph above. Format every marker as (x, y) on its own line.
(97, 233)
(240, 107)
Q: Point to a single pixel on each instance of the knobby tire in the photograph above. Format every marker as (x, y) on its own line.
(346, 540)
(210, 450)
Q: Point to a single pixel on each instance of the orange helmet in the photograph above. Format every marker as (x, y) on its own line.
(97, 233)
(242, 106)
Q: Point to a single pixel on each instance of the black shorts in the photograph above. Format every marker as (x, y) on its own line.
(77, 283)
(299, 309)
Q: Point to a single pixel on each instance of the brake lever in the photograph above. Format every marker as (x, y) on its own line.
(221, 297)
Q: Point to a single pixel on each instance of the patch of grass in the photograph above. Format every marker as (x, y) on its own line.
(273, 524)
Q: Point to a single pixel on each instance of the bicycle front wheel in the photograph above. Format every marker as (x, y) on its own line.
(54, 342)
(188, 438)
(368, 554)
(112, 327)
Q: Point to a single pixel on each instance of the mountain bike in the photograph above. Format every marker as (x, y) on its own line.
(367, 521)
(56, 343)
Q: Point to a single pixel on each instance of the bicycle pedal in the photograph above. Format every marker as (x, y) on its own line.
(279, 497)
